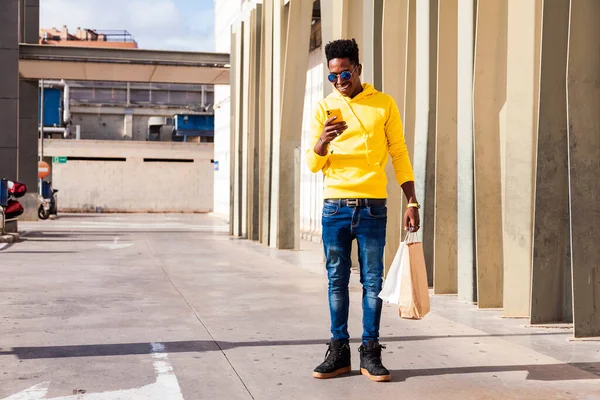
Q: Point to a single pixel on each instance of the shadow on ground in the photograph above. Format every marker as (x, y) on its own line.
(538, 372)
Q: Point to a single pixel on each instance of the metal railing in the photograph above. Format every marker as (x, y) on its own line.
(112, 35)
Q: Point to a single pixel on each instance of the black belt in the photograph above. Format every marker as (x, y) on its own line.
(358, 202)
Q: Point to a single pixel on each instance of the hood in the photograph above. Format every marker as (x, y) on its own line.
(368, 91)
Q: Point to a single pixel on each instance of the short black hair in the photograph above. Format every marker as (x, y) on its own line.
(342, 48)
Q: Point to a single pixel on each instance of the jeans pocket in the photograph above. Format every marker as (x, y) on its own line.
(330, 209)
(377, 211)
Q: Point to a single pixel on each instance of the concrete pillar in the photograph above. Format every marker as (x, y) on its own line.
(421, 130)
(467, 276)
(236, 129)
(285, 195)
(428, 199)
(394, 70)
(377, 43)
(354, 24)
(345, 19)
(28, 113)
(366, 42)
(408, 104)
(252, 100)
(356, 27)
(251, 70)
(334, 25)
(583, 102)
(522, 75)
(446, 224)
(266, 121)
(364, 23)
(28, 147)
(422, 110)
(9, 88)
(551, 275)
(411, 82)
(245, 170)
(128, 126)
(279, 33)
(29, 28)
(424, 148)
(232, 128)
(489, 95)
(371, 42)
(335, 15)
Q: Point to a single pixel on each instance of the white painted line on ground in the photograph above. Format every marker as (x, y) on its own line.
(166, 386)
(36, 392)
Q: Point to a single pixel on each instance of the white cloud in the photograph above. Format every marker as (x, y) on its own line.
(155, 24)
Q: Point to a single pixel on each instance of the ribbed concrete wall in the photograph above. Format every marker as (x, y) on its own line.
(478, 83)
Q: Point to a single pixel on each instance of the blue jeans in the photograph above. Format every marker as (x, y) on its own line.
(341, 225)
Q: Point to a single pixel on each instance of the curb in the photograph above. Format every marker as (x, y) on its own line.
(10, 238)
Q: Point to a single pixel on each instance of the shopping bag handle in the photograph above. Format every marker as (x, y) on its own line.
(410, 235)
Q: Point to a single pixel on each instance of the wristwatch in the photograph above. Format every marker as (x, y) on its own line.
(413, 205)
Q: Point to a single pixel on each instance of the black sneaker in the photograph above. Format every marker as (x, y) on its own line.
(337, 360)
(370, 362)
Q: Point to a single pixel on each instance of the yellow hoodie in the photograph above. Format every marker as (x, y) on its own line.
(354, 166)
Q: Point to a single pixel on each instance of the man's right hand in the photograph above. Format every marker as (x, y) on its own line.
(330, 131)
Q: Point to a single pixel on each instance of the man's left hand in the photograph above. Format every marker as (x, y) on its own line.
(412, 221)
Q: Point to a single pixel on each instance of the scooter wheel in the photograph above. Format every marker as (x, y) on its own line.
(43, 214)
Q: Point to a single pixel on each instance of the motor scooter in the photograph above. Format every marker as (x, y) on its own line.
(11, 191)
(49, 202)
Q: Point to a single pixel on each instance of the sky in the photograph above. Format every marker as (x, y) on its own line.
(186, 25)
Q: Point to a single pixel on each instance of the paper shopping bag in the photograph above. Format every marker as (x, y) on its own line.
(414, 291)
(390, 293)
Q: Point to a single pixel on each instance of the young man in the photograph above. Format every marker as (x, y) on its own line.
(355, 128)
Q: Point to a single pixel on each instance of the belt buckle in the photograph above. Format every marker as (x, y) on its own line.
(352, 202)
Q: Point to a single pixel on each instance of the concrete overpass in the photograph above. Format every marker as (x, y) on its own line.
(23, 62)
(123, 65)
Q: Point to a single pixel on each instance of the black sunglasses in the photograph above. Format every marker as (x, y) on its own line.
(346, 75)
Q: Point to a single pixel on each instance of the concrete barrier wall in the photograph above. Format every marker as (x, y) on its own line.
(108, 176)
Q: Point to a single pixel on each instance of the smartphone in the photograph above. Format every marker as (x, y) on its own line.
(335, 112)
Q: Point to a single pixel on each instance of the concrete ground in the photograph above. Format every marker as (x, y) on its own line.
(170, 307)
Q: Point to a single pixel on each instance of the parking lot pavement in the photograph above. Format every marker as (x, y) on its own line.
(170, 307)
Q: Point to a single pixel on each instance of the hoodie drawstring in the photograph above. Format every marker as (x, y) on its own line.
(362, 127)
